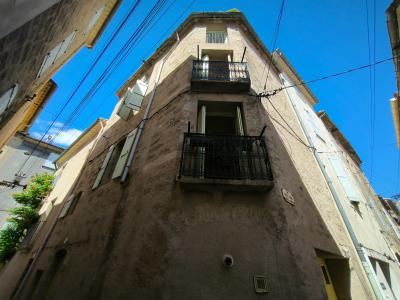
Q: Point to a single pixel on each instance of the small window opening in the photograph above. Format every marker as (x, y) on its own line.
(260, 284)
(113, 162)
(216, 34)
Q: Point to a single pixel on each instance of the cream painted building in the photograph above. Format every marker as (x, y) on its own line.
(199, 189)
(59, 203)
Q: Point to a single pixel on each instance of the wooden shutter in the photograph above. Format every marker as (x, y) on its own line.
(66, 43)
(66, 206)
(134, 97)
(124, 111)
(103, 167)
(201, 120)
(239, 121)
(119, 168)
(343, 178)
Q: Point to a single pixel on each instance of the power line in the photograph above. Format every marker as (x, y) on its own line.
(276, 30)
(267, 94)
(82, 80)
(122, 54)
(153, 47)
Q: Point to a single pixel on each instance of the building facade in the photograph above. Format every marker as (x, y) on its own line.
(69, 165)
(36, 40)
(198, 188)
(12, 156)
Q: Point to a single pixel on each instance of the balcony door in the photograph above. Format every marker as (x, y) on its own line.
(221, 152)
(216, 65)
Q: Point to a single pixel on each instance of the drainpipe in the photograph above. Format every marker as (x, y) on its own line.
(361, 254)
(53, 225)
(132, 152)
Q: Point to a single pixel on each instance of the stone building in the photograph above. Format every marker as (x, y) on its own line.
(197, 188)
(12, 156)
(36, 40)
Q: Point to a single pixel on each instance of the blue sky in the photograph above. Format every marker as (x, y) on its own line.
(318, 37)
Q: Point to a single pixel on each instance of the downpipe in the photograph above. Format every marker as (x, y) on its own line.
(361, 254)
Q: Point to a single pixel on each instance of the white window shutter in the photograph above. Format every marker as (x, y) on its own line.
(134, 96)
(239, 121)
(124, 111)
(343, 178)
(119, 168)
(201, 120)
(94, 19)
(7, 98)
(66, 43)
(66, 206)
(103, 167)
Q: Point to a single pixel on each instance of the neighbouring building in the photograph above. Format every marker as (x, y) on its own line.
(392, 14)
(36, 39)
(57, 205)
(12, 156)
(200, 187)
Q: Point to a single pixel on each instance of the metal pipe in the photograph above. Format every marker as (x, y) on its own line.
(361, 254)
(244, 52)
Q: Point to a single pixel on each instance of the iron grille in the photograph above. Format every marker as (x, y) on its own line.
(216, 37)
(225, 157)
(222, 71)
(30, 233)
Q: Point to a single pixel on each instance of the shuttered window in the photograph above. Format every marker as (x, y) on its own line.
(134, 96)
(124, 111)
(70, 205)
(94, 19)
(58, 51)
(103, 167)
(119, 168)
(343, 178)
(7, 98)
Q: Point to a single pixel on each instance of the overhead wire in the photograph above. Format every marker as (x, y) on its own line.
(122, 54)
(276, 33)
(93, 64)
(269, 93)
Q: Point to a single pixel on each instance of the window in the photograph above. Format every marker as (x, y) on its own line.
(7, 98)
(383, 276)
(115, 160)
(216, 33)
(341, 174)
(134, 96)
(69, 205)
(58, 51)
(93, 20)
(49, 163)
(132, 100)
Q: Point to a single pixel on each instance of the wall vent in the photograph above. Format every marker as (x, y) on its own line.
(260, 284)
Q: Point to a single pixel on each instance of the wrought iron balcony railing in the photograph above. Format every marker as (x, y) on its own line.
(224, 157)
(220, 71)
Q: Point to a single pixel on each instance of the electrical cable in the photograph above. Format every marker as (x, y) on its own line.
(277, 26)
(273, 92)
(82, 80)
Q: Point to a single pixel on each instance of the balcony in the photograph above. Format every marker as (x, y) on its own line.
(239, 161)
(220, 76)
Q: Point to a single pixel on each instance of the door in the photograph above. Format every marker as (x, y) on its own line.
(330, 290)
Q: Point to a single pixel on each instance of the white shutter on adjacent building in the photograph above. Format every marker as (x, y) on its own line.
(93, 20)
(124, 111)
(7, 98)
(119, 168)
(343, 178)
(66, 206)
(66, 43)
(103, 167)
(134, 96)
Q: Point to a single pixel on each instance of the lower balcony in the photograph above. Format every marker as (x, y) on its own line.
(235, 162)
(220, 76)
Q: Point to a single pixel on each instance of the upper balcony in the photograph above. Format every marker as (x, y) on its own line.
(220, 76)
(240, 162)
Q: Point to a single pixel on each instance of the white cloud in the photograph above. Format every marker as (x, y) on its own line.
(59, 135)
